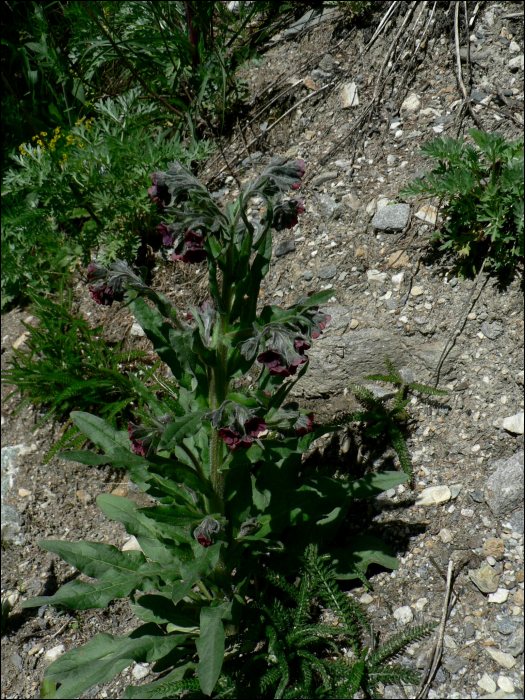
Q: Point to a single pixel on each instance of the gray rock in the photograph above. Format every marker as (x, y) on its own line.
(391, 218)
(504, 489)
(324, 177)
(454, 663)
(327, 273)
(506, 626)
(327, 63)
(479, 57)
(516, 521)
(485, 578)
(469, 629)
(342, 355)
(491, 330)
(308, 20)
(328, 208)
(445, 119)
(514, 646)
(308, 275)
(284, 247)
(319, 76)
(477, 95)
(380, 392)
(519, 378)
(252, 158)
(17, 661)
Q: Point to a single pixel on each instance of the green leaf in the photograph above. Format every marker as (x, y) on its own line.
(85, 457)
(210, 645)
(100, 432)
(161, 610)
(361, 551)
(195, 570)
(180, 428)
(125, 511)
(47, 690)
(101, 659)
(95, 559)
(373, 484)
(160, 688)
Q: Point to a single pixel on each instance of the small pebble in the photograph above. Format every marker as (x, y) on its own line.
(486, 683)
(54, 653)
(500, 596)
(403, 615)
(505, 684)
(140, 671)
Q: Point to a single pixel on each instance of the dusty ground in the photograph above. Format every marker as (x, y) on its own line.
(454, 443)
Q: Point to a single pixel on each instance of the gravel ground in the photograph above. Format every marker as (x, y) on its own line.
(393, 293)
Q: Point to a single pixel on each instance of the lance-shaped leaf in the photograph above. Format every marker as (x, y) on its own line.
(100, 432)
(101, 659)
(210, 645)
(194, 570)
(181, 427)
(353, 560)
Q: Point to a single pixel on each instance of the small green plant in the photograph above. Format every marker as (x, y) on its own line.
(301, 640)
(384, 415)
(67, 366)
(482, 192)
(84, 189)
(223, 464)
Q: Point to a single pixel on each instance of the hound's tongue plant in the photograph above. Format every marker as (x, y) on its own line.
(221, 462)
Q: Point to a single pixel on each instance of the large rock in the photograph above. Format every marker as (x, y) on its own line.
(504, 489)
(391, 218)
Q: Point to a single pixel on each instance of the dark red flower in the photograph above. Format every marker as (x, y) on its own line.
(309, 427)
(136, 445)
(193, 251)
(91, 271)
(167, 236)
(270, 358)
(301, 346)
(234, 440)
(295, 364)
(102, 295)
(159, 193)
(204, 541)
(255, 426)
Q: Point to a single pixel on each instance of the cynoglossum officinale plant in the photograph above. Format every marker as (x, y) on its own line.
(223, 464)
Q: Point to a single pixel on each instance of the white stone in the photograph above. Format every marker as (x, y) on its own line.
(516, 63)
(445, 535)
(486, 683)
(351, 201)
(420, 603)
(412, 104)
(376, 276)
(397, 280)
(140, 671)
(505, 660)
(132, 545)
(24, 493)
(354, 323)
(449, 642)
(390, 160)
(137, 330)
(505, 684)
(403, 615)
(54, 653)
(366, 599)
(514, 47)
(514, 424)
(500, 596)
(434, 495)
(398, 134)
(427, 213)
(350, 96)
(371, 207)
(382, 203)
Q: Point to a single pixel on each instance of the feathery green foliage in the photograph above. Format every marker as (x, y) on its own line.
(383, 415)
(66, 366)
(482, 190)
(303, 641)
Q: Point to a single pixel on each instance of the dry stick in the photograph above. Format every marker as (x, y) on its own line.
(462, 319)
(129, 66)
(466, 100)
(377, 92)
(275, 124)
(435, 658)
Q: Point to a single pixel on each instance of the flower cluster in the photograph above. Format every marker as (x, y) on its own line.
(159, 192)
(138, 446)
(203, 533)
(167, 235)
(191, 249)
(253, 428)
(277, 364)
(111, 284)
(286, 214)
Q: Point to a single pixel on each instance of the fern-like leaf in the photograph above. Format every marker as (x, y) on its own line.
(393, 646)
